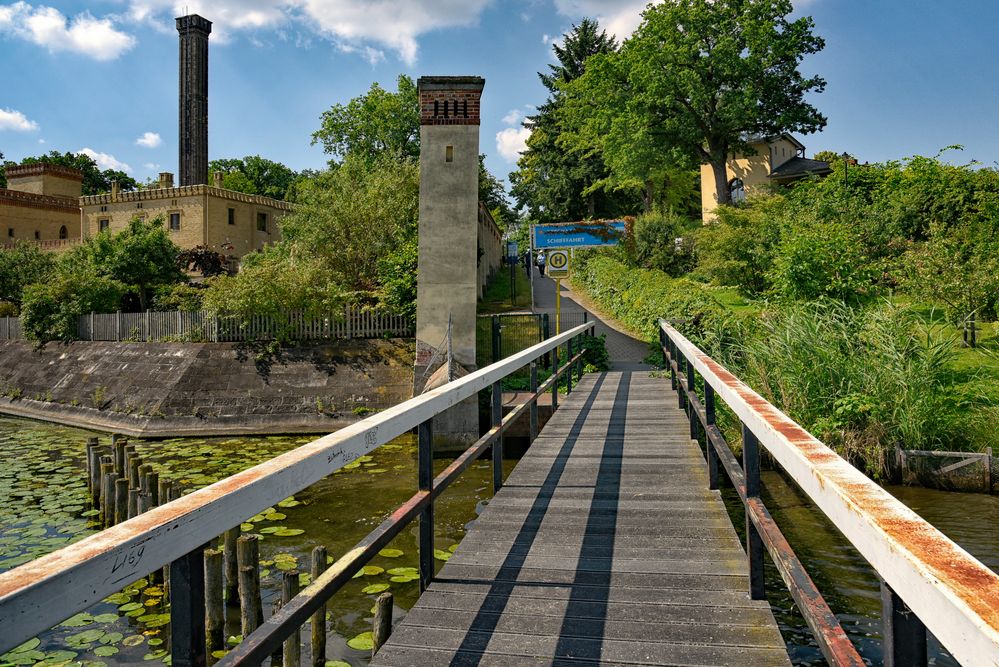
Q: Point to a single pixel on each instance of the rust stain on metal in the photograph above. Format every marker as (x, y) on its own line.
(940, 558)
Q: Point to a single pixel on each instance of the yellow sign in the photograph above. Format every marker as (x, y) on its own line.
(558, 263)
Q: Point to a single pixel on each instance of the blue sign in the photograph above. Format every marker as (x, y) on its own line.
(579, 234)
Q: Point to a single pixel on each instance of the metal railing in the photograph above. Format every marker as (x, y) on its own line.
(927, 581)
(174, 534)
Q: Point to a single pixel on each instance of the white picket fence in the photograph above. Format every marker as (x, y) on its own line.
(205, 326)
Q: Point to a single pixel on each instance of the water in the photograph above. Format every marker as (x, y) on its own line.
(43, 507)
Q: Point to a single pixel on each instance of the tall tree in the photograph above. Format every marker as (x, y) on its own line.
(699, 79)
(255, 175)
(554, 184)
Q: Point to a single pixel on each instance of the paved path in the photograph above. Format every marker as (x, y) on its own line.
(626, 352)
(605, 547)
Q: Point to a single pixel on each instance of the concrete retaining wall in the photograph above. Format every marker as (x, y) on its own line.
(174, 389)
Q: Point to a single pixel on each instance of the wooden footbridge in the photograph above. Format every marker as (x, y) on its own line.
(607, 545)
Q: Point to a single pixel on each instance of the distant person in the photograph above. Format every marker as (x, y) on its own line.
(527, 262)
(541, 262)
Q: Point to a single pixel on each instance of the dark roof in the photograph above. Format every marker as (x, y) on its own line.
(797, 167)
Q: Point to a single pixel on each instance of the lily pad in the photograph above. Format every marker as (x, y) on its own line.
(78, 621)
(404, 578)
(374, 588)
(131, 606)
(155, 641)
(288, 532)
(372, 570)
(133, 640)
(402, 571)
(391, 553)
(442, 555)
(112, 638)
(85, 637)
(105, 618)
(289, 502)
(105, 651)
(155, 655)
(362, 642)
(60, 656)
(29, 645)
(337, 663)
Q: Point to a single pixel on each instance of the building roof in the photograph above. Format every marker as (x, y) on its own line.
(797, 167)
(32, 200)
(770, 138)
(43, 168)
(153, 194)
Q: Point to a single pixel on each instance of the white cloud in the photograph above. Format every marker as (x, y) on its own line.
(617, 17)
(511, 142)
(545, 38)
(149, 140)
(365, 28)
(84, 34)
(513, 117)
(104, 160)
(16, 121)
(151, 166)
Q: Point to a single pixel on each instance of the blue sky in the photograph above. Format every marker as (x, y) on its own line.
(904, 76)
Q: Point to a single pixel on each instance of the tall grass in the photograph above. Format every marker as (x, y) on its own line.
(862, 379)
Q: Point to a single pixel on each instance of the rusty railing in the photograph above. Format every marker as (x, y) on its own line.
(80, 575)
(927, 581)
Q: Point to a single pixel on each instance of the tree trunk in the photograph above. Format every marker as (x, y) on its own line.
(591, 206)
(724, 194)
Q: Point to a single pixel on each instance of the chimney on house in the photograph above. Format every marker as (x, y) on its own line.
(115, 189)
(166, 180)
(218, 176)
(194, 31)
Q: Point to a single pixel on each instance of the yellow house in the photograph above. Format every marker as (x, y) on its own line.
(778, 160)
(40, 205)
(232, 222)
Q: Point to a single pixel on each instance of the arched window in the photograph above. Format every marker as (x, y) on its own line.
(738, 190)
(63, 233)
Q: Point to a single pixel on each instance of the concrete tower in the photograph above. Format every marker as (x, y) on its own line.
(194, 31)
(449, 206)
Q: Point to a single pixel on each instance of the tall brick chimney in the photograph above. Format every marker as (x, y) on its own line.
(194, 31)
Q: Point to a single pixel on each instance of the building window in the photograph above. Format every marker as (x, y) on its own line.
(63, 232)
(449, 154)
(10, 232)
(175, 222)
(261, 222)
(232, 216)
(38, 235)
(738, 190)
(139, 205)
(103, 224)
(104, 209)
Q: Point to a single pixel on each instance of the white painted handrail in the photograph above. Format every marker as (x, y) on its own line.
(953, 594)
(46, 591)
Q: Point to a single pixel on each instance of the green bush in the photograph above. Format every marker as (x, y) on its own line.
(737, 249)
(664, 241)
(8, 309)
(20, 266)
(181, 296)
(815, 261)
(51, 309)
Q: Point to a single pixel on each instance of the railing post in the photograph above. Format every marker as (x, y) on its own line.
(425, 465)
(496, 338)
(692, 386)
(580, 347)
(904, 643)
(187, 610)
(568, 371)
(754, 543)
(681, 397)
(709, 418)
(555, 383)
(497, 419)
(547, 333)
(534, 401)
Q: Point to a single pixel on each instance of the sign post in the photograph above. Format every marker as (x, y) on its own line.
(558, 268)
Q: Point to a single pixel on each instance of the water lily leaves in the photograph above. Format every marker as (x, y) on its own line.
(105, 651)
(374, 588)
(372, 570)
(452, 548)
(275, 516)
(232, 640)
(391, 553)
(133, 640)
(156, 641)
(337, 663)
(85, 637)
(270, 530)
(288, 532)
(362, 642)
(29, 645)
(375, 471)
(219, 654)
(404, 579)
(289, 502)
(112, 638)
(25, 657)
(78, 621)
(60, 656)
(156, 591)
(155, 655)
(105, 618)
(130, 606)
(118, 598)
(245, 527)
(442, 555)
(403, 571)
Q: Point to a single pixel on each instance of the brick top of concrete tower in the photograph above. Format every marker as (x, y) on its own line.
(193, 22)
(44, 169)
(450, 100)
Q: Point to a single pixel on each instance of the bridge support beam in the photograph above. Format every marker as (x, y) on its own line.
(904, 634)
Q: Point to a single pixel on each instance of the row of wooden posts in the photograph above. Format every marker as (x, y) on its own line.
(122, 486)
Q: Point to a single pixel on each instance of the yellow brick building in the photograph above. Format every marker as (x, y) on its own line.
(778, 160)
(196, 215)
(41, 204)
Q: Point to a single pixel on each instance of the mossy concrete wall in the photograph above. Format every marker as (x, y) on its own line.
(175, 389)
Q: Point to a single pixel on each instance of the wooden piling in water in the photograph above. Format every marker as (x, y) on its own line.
(231, 567)
(153, 484)
(106, 467)
(133, 503)
(120, 500)
(163, 491)
(382, 626)
(112, 506)
(292, 645)
(133, 471)
(318, 621)
(92, 444)
(118, 449)
(144, 471)
(214, 604)
(248, 553)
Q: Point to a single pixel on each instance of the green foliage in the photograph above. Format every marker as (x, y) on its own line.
(737, 249)
(141, 256)
(595, 356)
(859, 378)
(378, 122)
(638, 298)
(555, 184)
(95, 181)
(8, 309)
(20, 266)
(178, 296)
(816, 261)
(256, 176)
(51, 308)
(696, 81)
(664, 241)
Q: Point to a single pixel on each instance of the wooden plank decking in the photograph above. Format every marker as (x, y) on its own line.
(603, 548)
